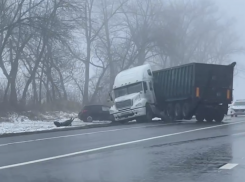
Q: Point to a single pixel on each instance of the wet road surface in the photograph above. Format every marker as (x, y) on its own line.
(149, 152)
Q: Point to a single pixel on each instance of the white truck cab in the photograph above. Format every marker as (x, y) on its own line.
(133, 92)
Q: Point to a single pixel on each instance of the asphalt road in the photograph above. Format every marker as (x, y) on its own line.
(150, 152)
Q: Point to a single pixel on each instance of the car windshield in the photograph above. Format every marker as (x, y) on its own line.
(129, 89)
(239, 104)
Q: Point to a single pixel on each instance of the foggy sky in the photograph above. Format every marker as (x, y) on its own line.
(235, 8)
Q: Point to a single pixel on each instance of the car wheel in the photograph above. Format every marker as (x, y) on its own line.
(89, 119)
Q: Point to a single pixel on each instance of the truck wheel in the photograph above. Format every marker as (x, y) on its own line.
(218, 117)
(199, 117)
(209, 118)
(124, 122)
(148, 116)
(186, 110)
(178, 111)
(170, 111)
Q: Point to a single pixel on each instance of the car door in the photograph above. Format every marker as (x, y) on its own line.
(106, 113)
(97, 112)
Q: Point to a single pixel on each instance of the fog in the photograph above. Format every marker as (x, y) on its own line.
(235, 9)
(67, 57)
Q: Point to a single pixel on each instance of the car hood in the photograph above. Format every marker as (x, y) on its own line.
(238, 107)
(126, 97)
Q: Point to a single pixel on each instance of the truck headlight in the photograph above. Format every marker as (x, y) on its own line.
(139, 104)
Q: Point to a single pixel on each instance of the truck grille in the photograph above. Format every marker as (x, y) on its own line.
(123, 104)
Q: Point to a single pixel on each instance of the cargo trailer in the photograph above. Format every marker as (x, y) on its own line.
(203, 90)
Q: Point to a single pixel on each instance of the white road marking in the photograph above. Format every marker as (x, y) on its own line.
(238, 134)
(111, 146)
(81, 134)
(228, 166)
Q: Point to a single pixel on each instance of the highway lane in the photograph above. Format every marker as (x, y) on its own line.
(142, 152)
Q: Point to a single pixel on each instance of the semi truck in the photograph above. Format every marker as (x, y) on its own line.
(176, 93)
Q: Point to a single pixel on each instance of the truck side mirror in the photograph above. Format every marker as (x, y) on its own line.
(149, 72)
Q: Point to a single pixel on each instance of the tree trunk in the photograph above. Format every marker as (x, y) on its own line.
(5, 98)
(61, 82)
(97, 86)
(13, 100)
(40, 85)
(87, 66)
(32, 76)
(34, 87)
(108, 40)
(48, 95)
(141, 56)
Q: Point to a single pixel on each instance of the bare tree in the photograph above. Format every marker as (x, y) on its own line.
(71, 50)
(140, 18)
(14, 36)
(191, 31)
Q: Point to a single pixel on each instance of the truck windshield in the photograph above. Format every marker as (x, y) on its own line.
(129, 89)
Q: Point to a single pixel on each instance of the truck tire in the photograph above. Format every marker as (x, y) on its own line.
(170, 111)
(186, 110)
(178, 112)
(148, 116)
(219, 116)
(200, 117)
(209, 118)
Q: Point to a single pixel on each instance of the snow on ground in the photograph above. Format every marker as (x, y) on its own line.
(15, 123)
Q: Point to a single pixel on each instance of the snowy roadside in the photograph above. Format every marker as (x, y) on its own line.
(15, 123)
